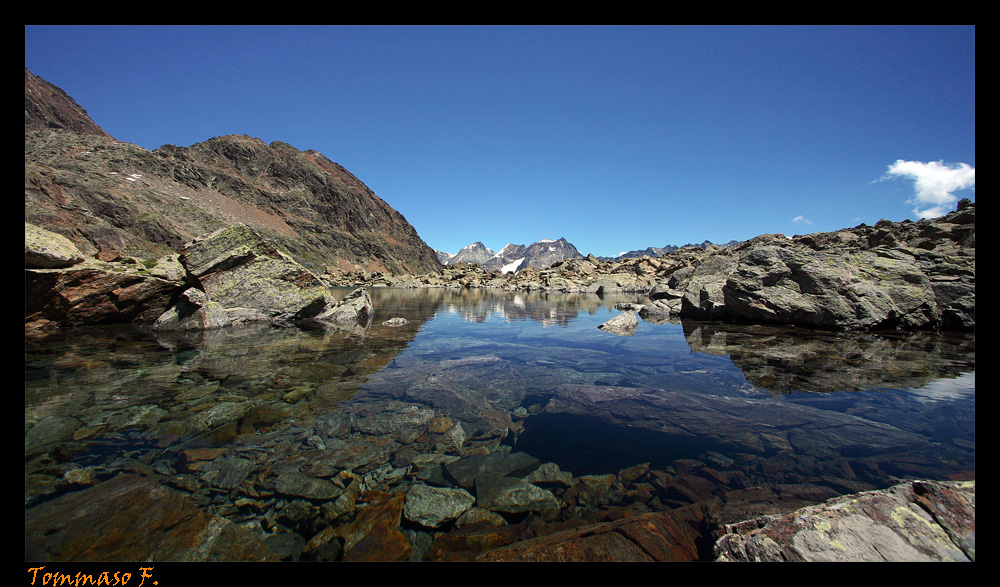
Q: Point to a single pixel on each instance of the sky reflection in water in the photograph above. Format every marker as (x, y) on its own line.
(591, 401)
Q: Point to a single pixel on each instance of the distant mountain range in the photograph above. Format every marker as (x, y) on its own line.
(543, 253)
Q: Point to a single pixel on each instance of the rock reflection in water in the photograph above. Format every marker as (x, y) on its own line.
(413, 441)
(786, 359)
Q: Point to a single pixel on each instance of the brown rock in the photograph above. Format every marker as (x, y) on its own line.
(132, 518)
(662, 536)
(94, 294)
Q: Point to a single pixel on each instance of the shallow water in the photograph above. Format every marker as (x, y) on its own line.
(778, 406)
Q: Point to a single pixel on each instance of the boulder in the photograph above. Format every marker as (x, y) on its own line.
(237, 268)
(513, 496)
(92, 293)
(355, 309)
(432, 507)
(912, 522)
(44, 249)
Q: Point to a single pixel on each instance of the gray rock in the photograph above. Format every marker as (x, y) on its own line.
(468, 470)
(912, 522)
(623, 324)
(355, 309)
(512, 495)
(193, 311)
(432, 507)
(231, 472)
(169, 267)
(549, 475)
(237, 268)
(299, 485)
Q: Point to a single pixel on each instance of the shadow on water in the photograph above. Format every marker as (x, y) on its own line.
(586, 445)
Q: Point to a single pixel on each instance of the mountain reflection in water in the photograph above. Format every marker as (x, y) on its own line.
(524, 372)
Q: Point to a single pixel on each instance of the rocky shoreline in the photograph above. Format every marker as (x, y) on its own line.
(894, 275)
(906, 275)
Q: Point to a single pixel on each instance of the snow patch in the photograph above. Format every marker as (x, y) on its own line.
(512, 267)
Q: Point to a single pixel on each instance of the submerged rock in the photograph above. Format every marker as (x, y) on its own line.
(433, 506)
(131, 518)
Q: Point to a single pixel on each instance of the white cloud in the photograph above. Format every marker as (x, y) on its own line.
(800, 219)
(934, 184)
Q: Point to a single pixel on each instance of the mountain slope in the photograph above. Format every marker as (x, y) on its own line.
(111, 197)
(537, 255)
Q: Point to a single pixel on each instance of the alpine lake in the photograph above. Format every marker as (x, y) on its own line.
(758, 419)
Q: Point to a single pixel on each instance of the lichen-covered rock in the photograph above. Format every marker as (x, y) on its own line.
(237, 268)
(44, 249)
(911, 522)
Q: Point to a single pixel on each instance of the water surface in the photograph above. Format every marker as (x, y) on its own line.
(806, 414)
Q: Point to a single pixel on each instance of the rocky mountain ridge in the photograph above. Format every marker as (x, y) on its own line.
(475, 252)
(112, 198)
(513, 257)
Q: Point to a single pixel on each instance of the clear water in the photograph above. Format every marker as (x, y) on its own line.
(777, 405)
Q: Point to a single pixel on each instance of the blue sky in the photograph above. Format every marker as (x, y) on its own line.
(616, 138)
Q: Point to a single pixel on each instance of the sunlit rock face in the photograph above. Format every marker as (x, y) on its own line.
(109, 197)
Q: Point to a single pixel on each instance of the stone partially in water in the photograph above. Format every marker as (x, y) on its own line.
(623, 324)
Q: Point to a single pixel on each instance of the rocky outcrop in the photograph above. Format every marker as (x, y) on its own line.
(62, 288)
(233, 277)
(116, 199)
(931, 521)
(623, 324)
